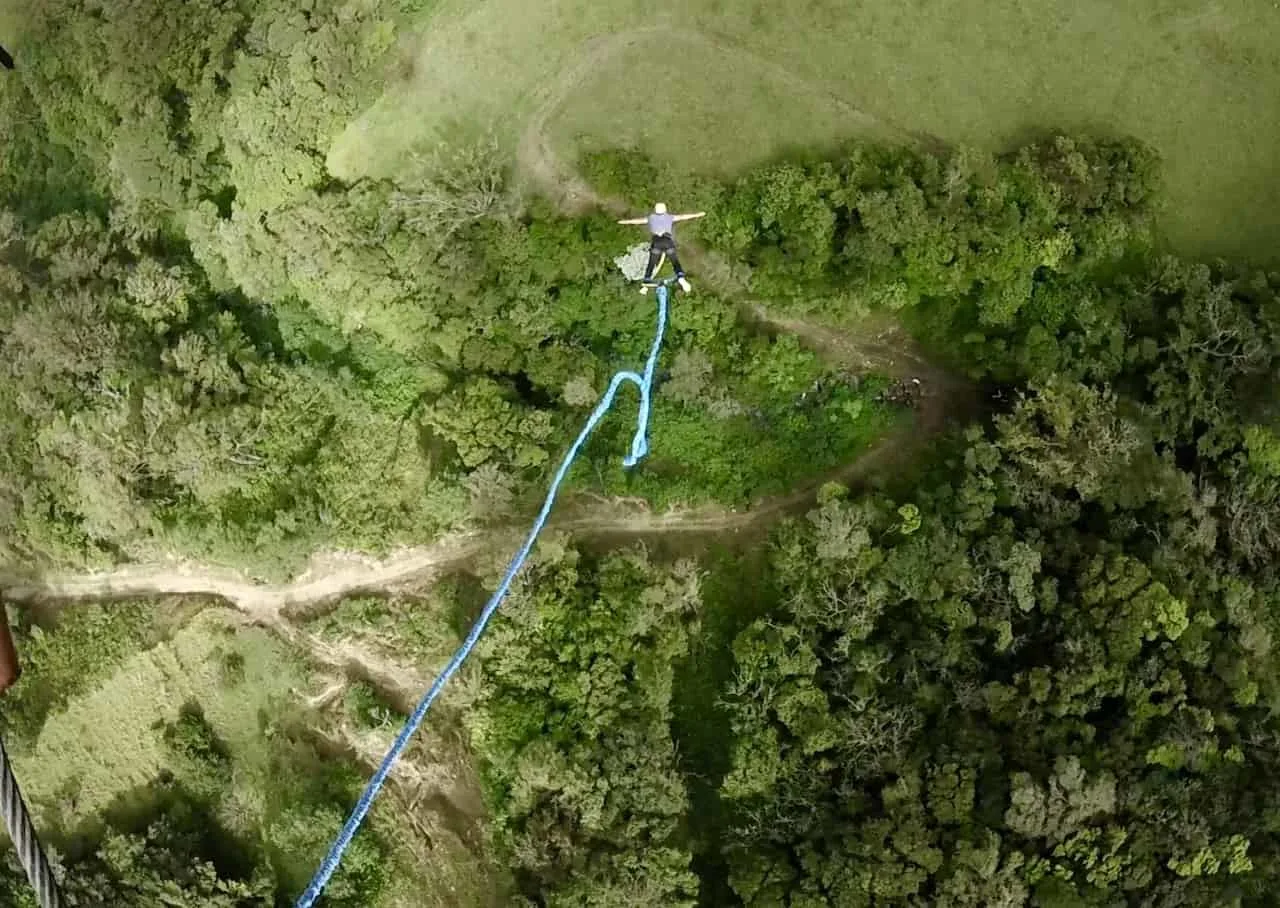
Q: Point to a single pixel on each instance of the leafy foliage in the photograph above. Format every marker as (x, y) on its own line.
(1012, 679)
(1042, 676)
(452, 188)
(572, 729)
(973, 248)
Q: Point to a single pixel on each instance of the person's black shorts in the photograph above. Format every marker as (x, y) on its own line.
(662, 243)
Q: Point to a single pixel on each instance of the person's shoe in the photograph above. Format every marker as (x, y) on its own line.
(644, 288)
(685, 285)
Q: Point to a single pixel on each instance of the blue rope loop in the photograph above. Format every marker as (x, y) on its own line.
(639, 448)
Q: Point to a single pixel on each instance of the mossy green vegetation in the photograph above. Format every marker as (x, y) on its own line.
(1195, 81)
(59, 663)
(1039, 674)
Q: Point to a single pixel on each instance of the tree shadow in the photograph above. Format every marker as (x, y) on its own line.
(190, 815)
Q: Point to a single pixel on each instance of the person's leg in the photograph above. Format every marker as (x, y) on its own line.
(655, 258)
(675, 263)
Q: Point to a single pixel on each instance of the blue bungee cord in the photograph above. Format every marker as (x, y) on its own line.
(639, 448)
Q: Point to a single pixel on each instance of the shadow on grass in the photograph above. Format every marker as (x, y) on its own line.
(191, 823)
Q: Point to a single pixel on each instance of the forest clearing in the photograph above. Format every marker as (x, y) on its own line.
(949, 577)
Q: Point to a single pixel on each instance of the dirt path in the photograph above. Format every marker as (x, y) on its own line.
(321, 584)
(319, 588)
(326, 583)
(330, 579)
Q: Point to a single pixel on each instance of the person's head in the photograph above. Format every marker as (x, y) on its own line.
(659, 207)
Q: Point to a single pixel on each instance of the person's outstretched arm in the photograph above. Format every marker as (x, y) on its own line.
(690, 217)
(634, 221)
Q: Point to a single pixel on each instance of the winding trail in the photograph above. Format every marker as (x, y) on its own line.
(314, 592)
(322, 586)
(261, 602)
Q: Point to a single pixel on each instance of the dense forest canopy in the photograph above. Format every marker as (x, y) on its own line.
(1041, 673)
(1034, 670)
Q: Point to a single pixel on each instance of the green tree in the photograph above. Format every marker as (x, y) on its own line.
(572, 728)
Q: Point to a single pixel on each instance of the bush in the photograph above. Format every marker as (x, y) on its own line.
(194, 741)
(572, 729)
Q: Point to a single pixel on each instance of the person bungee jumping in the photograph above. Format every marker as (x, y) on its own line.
(662, 242)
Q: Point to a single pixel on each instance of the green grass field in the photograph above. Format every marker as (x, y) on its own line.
(104, 741)
(104, 747)
(723, 83)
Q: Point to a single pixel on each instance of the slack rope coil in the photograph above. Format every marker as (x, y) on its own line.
(639, 448)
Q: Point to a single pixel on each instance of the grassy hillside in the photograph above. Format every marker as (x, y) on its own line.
(232, 722)
(722, 83)
(103, 742)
